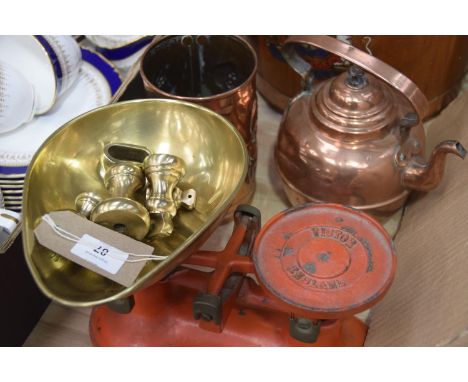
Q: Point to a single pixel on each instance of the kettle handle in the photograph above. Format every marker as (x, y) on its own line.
(367, 62)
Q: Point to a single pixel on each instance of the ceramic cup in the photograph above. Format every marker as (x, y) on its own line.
(16, 99)
(50, 63)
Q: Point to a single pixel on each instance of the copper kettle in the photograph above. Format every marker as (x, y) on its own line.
(358, 139)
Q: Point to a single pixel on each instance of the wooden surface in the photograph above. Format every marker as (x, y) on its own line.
(61, 326)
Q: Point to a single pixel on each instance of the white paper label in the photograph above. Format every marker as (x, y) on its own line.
(99, 253)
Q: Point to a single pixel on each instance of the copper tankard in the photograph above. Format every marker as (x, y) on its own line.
(217, 72)
(358, 139)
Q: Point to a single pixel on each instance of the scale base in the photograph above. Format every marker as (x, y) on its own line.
(163, 316)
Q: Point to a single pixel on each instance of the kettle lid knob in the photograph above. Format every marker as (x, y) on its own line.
(356, 77)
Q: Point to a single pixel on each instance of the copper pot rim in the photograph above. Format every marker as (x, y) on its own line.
(153, 88)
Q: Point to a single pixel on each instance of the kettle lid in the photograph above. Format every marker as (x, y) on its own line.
(356, 103)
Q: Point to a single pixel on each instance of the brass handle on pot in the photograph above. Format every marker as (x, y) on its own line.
(367, 62)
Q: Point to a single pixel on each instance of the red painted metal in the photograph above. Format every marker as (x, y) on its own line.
(329, 260)
(259, 314)
(163, 316)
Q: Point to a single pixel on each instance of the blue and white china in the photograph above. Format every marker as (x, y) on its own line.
(16, 98)
(126, 64)
(10, 227)
(119, 47)
(15, 207)
(123, 51)
(50, 63)
(9, 222)
(97, 81)
(106, 68)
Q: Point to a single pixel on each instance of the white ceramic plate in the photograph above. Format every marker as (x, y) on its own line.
(11, 184)
(113, 41)
(14, 208)
(97, 82)
(125, 45)
(30, 58)
(11, 192)
(12, 174)
(17, 186)
(93, 88)
(126, 64)
(13, 205)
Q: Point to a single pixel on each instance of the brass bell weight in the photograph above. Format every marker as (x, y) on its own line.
(86, 202)
(163, 197)
(122, 212)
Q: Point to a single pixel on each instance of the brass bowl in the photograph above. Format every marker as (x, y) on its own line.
(69, 163)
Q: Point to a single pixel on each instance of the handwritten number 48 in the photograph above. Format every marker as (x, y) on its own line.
(101, 250)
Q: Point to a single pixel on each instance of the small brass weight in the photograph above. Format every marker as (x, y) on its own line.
(123, 179)
(86, 202)
(122, 212)
(163, 197)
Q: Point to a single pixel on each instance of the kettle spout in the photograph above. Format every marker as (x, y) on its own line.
(425, 176)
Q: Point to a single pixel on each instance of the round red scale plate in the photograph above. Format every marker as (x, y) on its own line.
(325, 258)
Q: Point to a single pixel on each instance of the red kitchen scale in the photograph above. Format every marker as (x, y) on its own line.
(298, 281)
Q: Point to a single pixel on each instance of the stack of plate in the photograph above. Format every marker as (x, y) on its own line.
(122, 50)
(11, 184)
(97, 82)
(8, 236)
(2, 203)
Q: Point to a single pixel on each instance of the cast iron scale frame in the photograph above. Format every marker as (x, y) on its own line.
(297, 282)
